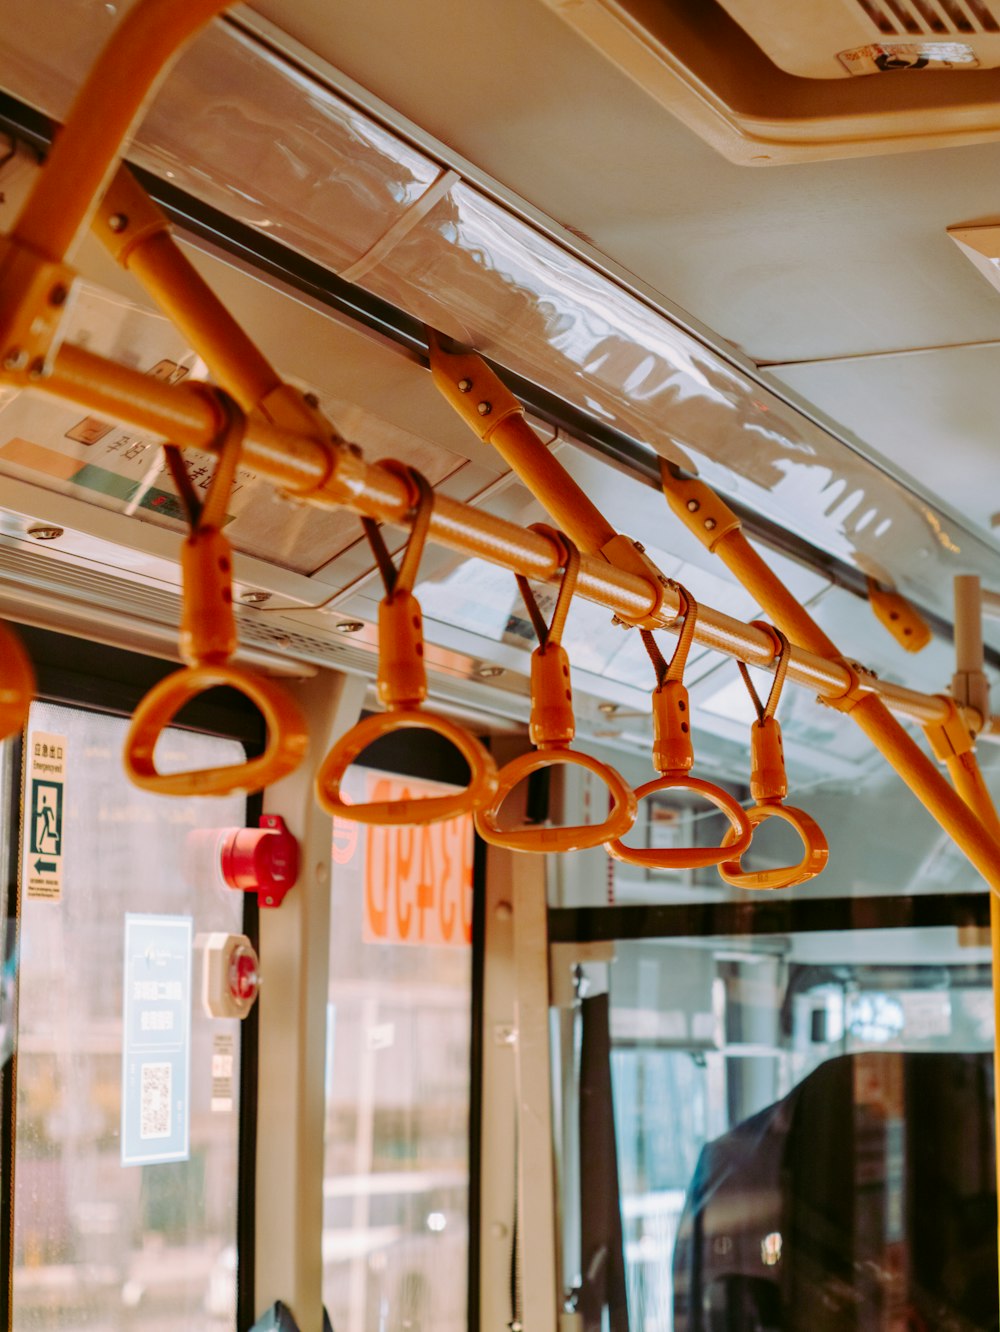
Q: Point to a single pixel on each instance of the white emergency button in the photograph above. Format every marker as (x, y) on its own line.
(230, 976)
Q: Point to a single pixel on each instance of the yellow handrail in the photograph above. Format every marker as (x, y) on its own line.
(708, 516)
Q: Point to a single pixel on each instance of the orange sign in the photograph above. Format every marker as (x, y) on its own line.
(417, 881)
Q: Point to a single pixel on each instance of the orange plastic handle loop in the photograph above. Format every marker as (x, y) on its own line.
(688, 857)
(207, 640)
(815, 855)
(17, 683)
(577, 837)
(431, 809)
(287, 734)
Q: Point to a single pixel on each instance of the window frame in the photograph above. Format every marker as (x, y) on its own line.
(111, 681)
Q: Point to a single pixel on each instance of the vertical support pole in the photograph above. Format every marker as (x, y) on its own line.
(969, 687)
(291, 1098)
(567, 1018)
(497, 1163)
(536, 1211)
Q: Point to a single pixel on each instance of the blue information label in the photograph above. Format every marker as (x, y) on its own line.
(156, 1047)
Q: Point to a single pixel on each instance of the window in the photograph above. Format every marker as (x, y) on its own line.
(98, 1242)
(396, 1175)
(805, 1128)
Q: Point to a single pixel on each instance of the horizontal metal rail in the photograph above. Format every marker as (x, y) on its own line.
(327, 472)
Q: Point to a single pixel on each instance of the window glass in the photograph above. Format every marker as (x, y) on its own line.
(882, 841)
(99, 1243)
(804, 1126)
(396, 1173)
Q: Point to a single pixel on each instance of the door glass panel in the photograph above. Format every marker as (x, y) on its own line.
(99, 1243)
(804, 1125)
(396, 1174)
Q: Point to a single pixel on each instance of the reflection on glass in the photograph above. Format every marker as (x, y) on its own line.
(805, 1132)
(97, 1244)
(396, 1172)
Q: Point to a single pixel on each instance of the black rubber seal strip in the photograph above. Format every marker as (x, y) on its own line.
(779, 916)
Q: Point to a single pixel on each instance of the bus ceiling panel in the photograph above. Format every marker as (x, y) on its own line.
(274, 147)
(817, 260)
(939, 406)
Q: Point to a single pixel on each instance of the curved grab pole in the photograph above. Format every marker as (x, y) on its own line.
(769, 786)
(121, 81)
(552, 727)
(17, 682)
(402, 687)
(673, 758)
(207, 640)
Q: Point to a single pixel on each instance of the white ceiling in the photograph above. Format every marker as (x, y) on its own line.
(791, 264)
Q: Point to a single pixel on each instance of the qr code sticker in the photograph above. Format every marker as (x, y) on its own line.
(154, 1101)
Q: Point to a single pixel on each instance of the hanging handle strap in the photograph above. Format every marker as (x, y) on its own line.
(208, 639)
(552, 632)
(208, 626)
(552, 728)
(674, 669)
(402, 687)
(673, 757)
(769, 786)
(400, 581)
(402, 677)
(570, 837)
(552, 724)
(768, 779)
(783, 651)
(673, 752)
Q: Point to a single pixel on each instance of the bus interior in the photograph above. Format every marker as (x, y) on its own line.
(364, 368)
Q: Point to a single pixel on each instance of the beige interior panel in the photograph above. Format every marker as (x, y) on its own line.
(934, 414)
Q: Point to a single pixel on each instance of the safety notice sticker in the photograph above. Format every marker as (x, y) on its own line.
(46, 788)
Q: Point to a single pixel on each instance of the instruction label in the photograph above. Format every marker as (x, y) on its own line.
(46, 791)
(156, 1045)
(223, 1057)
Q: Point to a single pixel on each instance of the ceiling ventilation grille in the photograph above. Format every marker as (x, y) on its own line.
(35, 589)
(934, 18)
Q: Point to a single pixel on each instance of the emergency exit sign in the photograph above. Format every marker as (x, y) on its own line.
(43, 863)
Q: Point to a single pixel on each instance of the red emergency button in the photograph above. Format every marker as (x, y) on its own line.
(262, 860)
